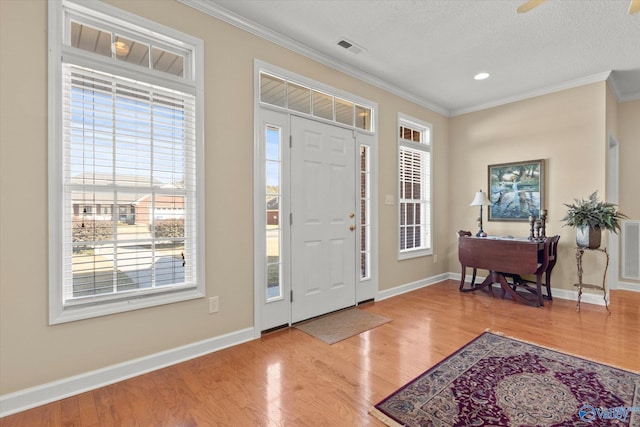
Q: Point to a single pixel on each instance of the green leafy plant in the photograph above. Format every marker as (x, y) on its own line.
(593, 212)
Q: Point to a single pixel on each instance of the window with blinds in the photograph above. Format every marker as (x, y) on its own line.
(414, 166)
(126, 200)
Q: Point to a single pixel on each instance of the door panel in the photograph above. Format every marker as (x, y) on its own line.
(323, 259)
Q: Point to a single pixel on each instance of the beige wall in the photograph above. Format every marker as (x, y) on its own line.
(567, 129)
(33, 353)
(629, 139)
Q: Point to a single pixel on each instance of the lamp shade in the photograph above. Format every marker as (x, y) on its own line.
(480, 199)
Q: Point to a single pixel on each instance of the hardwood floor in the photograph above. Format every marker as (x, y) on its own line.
(288, 378)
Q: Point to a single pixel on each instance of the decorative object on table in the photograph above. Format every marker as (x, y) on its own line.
(589, 216)
(538, 226)
(580, 285)
(507, 382)
(516, 190)
(480, 200)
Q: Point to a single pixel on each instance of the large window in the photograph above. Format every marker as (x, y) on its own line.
(414, 166)
(125, 163)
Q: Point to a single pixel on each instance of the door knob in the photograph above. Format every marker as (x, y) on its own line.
(351, 215)
(352, 227)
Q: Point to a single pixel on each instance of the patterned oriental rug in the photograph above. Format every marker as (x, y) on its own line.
(500, 381)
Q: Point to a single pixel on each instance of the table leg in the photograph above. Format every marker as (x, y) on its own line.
(463, 274)
(499, 278)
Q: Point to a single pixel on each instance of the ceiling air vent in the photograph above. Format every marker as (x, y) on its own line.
(350, 46)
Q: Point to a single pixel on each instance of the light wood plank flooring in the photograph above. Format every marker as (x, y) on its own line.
(288, 378)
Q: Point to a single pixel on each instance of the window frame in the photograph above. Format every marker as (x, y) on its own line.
(426, 130)
(60, 13)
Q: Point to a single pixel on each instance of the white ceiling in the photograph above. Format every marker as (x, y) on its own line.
(429, 50)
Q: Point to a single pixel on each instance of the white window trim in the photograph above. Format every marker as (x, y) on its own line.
(57, 312)
(404, 119)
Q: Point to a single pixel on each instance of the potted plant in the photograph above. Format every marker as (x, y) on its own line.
(589, 217)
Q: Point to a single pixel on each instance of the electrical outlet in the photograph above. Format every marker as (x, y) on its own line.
(435, 258)
(213, 304)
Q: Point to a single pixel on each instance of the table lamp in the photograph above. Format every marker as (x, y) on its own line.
(480, 200)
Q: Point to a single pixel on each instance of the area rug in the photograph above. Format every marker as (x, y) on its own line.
(343, 324)
(500, 381)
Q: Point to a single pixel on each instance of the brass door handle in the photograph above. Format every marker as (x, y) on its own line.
(352, 227)
(351, 215)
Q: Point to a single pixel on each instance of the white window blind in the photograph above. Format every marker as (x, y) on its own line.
(130, 149)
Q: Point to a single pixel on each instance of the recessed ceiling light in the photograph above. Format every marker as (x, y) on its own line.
(481, 76)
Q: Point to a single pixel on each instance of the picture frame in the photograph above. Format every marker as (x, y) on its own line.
(516, 190)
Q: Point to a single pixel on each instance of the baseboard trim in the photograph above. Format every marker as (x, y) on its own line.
(628, 286)
(39, 395)
(571, 295)
(403, 289)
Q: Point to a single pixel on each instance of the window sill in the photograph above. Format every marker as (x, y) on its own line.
(414, 254)
(71, 314)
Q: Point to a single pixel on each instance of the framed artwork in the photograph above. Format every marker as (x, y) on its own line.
(516, 190)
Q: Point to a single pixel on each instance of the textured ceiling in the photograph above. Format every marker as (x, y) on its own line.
(431, 49)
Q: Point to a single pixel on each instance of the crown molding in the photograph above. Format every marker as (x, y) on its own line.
(594, 78)
(629, 97)
(254, 28)
(613, 85)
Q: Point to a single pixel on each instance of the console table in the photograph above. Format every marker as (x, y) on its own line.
(580, 285)
(503, 256)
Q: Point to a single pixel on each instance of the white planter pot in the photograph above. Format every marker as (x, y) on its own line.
(588, 237)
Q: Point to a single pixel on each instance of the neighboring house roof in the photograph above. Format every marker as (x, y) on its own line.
(273, 204)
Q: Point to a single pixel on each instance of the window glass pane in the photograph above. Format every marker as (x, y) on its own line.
(168, 62)
(272, 90)
(322, 105)
(274, 285)
(363, 117)
(299, 98)
(91, 39)
(273, 143)
(344, 112)
(128, 151)
(273, 211)
(274, 290)
(365, 205)
(133, 52)
(273, 176)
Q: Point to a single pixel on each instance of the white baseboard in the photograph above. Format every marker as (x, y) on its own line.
(402, 289)
(571, 295)
(628, 286)
(39, 395)
(56, 390)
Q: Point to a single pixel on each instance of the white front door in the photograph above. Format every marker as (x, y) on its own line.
(323, 207)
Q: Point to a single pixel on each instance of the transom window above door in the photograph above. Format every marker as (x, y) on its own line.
(283, 93)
